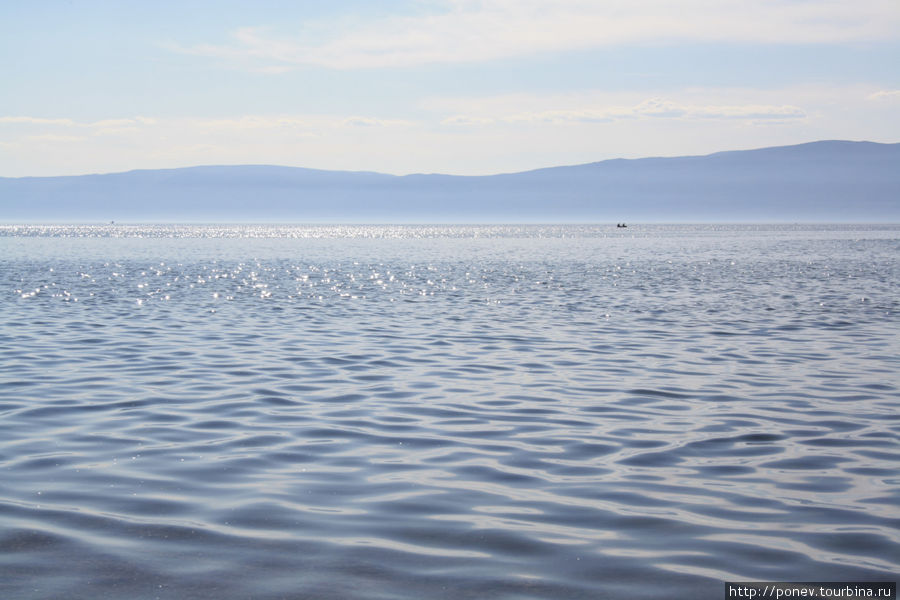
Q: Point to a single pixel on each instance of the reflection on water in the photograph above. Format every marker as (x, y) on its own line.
(445, 412)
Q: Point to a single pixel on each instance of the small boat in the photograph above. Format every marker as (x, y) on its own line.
(621, 225)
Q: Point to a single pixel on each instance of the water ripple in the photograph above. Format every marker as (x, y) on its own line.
(393, 412)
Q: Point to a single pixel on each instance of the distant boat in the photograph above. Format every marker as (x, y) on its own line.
(621, 225)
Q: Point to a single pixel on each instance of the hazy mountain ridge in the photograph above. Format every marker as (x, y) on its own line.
(818, 181)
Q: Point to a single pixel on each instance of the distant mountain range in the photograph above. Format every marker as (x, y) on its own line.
(828, 181)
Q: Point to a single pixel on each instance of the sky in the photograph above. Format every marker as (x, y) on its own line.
(435, 86)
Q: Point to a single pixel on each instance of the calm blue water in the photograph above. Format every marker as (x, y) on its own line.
(446, 412)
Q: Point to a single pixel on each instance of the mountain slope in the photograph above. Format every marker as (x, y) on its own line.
(819, 181)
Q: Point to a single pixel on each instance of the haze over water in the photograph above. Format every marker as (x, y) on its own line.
(446, 412)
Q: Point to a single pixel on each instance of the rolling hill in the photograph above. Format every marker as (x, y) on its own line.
(827, 181)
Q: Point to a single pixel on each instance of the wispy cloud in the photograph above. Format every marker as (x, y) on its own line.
(294, 124)
(143, 142)
(36, 121)
(661, 108)
(465, 134)
(54, 138)
(467, 120)
(654, 108)
(459, 31)
(71, 123)
(885, 95)
(235, 124)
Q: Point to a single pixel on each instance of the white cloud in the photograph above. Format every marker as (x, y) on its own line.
(117, 130)
(655, 108)
(370, 122)
(586, 115)
(35, 121)
(62, 122)
(465, 120)
(250, 122)
(235, 124)
(62, 145)
(54, 138)
(465, 135)
(478, 30)
(292, 124)
(885, 95)
(663, 108)
(106, 123)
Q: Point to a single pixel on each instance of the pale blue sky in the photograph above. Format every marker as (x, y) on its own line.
(453, 86)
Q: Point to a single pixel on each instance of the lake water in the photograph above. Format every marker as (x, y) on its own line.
(446, 412)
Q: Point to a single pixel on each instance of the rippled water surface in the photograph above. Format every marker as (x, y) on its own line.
(446, 412)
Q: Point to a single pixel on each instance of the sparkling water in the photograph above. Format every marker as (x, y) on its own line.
(446, 412)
